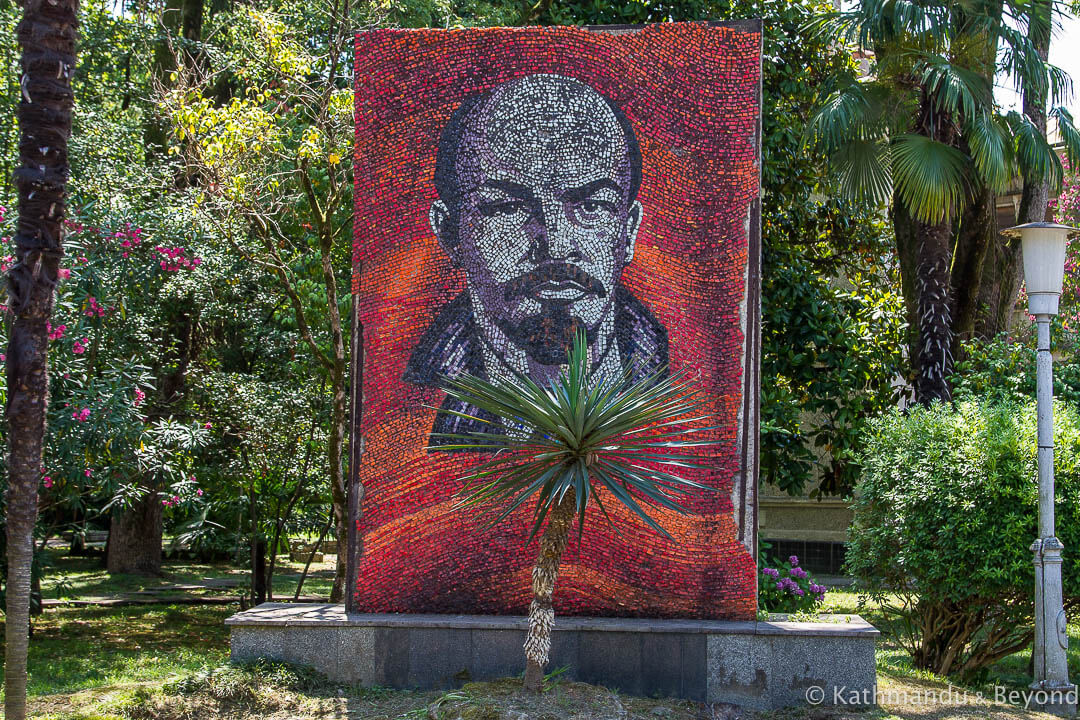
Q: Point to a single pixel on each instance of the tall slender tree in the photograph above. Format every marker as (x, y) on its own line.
(46, 35)
(924, 132)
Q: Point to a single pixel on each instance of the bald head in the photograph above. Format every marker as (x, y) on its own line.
(536, 124)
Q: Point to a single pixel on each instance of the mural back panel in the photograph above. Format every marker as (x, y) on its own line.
(512, 187)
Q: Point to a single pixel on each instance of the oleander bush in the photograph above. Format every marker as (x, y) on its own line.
(945, 514)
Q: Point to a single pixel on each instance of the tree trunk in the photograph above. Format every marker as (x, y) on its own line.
(135, 538)
(976, 231)
(46, 35)
(907, 252)
(338, 430)
(935, 326)
(541, 612)
(258, 570)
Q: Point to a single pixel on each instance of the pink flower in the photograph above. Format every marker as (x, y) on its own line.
(81, 415)
(139, 397)
(64, 273)
(78, 348)
(199, 492)
(47, 481)
(95, 309)
(3, 357)
(88, 472)
(208, 426)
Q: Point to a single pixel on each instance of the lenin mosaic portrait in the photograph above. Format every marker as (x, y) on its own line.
(515, 187)
(537, 183)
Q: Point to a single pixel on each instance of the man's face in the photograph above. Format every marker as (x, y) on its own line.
(545, 223)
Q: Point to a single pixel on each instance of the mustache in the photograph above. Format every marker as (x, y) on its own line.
(561, 273)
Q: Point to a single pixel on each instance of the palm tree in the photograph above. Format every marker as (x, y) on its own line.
(572, 444)
(923, 132)
(46, 35)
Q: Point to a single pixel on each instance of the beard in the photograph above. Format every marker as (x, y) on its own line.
(548, 336)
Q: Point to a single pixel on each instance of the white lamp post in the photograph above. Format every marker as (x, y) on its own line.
(1044, 268)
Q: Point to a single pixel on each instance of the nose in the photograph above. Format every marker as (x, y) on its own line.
(553, 236)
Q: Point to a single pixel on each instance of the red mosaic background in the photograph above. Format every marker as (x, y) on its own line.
(691, 93)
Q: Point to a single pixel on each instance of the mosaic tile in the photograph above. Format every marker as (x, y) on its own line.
(512, 187)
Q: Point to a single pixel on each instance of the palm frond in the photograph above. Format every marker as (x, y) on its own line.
(1070, 135)
(990, 141)
(864, 170)
(954, 88)
(581, 434)
(1031, 74)
(932, 179)
(1034, 154)
(875, 22)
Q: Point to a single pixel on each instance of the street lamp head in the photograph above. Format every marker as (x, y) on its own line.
(1044, 263)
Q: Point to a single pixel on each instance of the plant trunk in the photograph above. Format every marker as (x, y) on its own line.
(258, 571)
(935, 326)
(46, 35)
(338, 492)
(977, 229)
(135, 538)
(541, 612)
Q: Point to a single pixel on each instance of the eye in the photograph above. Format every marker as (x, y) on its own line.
(504, 208)
(592, 210)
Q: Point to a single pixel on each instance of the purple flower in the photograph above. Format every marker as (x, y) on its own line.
(780, 586)
(798, 572)
(799, 591)
(794, 560)
(771, 572)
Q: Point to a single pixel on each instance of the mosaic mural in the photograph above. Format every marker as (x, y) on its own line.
(515, 187)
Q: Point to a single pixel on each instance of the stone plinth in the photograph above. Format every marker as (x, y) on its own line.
(758, 665)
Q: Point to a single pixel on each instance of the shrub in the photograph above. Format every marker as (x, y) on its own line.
(787, 588)
(945, 514)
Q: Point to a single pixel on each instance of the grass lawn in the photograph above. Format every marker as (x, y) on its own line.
(164, 662)
(73, 578)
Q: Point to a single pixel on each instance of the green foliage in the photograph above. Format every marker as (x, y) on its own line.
(945, 513)
(1004, 368)
(931, 131)
(584, 437)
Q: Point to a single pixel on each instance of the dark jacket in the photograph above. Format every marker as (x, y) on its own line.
(451, 346)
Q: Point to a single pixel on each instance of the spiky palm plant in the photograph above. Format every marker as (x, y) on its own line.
(923, 131)
(571, 444)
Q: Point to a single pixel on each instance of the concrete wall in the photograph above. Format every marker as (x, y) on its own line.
(758, 665)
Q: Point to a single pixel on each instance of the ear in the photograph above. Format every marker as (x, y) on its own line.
(633, 223)
(438, 216)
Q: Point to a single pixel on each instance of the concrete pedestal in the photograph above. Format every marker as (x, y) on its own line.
(757, 665)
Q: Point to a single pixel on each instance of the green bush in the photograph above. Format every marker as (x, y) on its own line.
(1004, 368)
(945, 514)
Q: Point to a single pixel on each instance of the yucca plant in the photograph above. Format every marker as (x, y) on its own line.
(581, 440)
